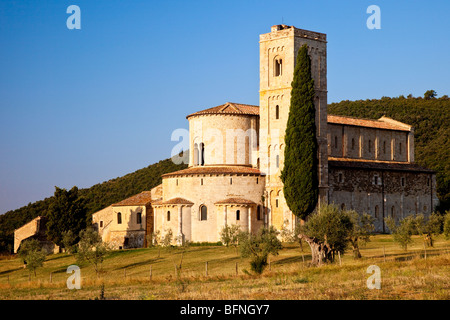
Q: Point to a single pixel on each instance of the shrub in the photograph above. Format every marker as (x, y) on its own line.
(259, 246)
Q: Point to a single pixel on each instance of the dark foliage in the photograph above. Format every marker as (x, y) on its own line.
(299, 174)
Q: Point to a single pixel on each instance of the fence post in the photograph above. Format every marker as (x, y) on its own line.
(384, 253)
(340, 262)
(206, 269)
(150, 273)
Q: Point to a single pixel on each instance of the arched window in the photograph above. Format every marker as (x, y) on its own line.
(400, 148)
(278, 67)
(139, 218)
(168, 215)
(101, 224)
(377, 212)
(335, 142)
(238, 215)
(393, 212)
(258, 213)
(202, 154)
(340, 178)
(119, 218)
(203, 213)
(353, 144)
(196, 154)
(277, 160)
(384, 146)
(276, 202)
(277, 112)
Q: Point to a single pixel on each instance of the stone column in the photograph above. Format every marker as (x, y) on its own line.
(180, 238)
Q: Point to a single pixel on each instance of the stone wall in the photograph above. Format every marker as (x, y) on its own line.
(367, 143)
(229, 139)
(206, 190)
(383, 193)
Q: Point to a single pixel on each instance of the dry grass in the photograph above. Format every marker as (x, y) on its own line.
(126, 275)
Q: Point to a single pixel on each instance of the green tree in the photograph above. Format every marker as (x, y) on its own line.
(229, 235)
(32, 255)
(299, 175)
(68, 240)
(363, 226)
(66, 212)
(258, 247)
(92, 249)
(402, 232)
(430, 94)
(327, 231)
(428, 227)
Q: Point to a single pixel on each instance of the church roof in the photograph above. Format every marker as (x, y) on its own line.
(247, 109)
(230, 108)
(215, 170)
(139, 199)
(376, 165)
(235, 201)
(177, 201)
(382, 123)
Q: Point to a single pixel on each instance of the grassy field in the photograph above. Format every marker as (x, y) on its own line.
(126, 275)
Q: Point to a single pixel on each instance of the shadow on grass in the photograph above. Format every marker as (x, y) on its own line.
(138, 264)
(10, 271)
(289, 260)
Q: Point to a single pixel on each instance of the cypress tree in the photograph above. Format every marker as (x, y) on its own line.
(299, 175)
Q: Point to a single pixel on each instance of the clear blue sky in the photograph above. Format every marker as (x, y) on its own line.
(78, 107)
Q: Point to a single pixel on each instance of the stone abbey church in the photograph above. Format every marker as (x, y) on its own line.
(236, 156)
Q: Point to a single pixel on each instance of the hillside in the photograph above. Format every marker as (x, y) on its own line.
(431, 121)
(98, 196)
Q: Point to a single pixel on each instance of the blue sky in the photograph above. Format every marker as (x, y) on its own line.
(78, 107)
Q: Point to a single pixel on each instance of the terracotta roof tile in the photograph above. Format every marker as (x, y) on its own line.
(177, 201)
(382, 123)
(139, 199)
(215, 170)
(230, 108)
(235, 201)
(376, 165)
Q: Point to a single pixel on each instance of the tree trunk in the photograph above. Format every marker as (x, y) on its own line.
(320, 251)
(355, 246)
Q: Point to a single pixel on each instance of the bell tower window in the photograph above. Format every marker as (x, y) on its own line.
(278, 67)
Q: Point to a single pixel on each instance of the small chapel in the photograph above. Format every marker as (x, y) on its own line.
(236, 156)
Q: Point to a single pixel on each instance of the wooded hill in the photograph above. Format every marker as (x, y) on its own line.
(430, 118)
(97, 197)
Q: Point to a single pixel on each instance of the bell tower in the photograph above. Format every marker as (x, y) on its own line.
(278, 53)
